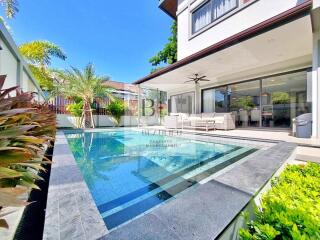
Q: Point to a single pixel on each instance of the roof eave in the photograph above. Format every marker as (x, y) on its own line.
(169, 7)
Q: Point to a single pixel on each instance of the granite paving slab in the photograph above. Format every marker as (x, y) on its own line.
(199, 213)
(148, 227)
(71, 212)
(254, 173)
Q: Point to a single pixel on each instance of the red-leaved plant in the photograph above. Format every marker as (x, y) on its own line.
(26, 127)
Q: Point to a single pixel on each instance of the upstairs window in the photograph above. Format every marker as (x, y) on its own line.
(201, 17)
(211, 11)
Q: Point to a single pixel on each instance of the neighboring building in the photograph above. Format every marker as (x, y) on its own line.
(14, 67)
(122, 90)
(261, 57)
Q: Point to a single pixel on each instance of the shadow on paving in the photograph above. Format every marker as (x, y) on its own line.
(32, 221)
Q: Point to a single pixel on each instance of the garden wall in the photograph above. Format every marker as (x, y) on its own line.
(68, 121)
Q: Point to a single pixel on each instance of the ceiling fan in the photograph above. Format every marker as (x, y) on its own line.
(197, 79)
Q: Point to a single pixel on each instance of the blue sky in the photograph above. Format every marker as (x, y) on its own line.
(117, 36)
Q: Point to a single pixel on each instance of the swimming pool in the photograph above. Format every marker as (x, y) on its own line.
(129, 173)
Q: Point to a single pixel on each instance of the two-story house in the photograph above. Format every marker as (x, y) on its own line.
(259, 59)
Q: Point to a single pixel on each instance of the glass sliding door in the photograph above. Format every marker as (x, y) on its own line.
(245, 103)
(174, 104)
(221, 99)
(215, 100)
(284, 98)
(268, 102)
(182, 103)
(208, 102)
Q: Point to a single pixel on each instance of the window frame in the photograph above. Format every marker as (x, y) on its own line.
(197, 9)
(212, 20)
(240, 6)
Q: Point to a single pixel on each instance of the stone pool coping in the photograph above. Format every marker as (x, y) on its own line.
(202, 212)
(71, 212)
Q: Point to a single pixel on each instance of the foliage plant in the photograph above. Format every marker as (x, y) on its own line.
(116, 109)
(169, 53)
(39, 55)
(291, 209)
(25, 128)
(76, 110)
(83, 84)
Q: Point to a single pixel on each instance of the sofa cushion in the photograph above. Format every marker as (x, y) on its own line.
(208, 116)
(195, 115)
(184, 115)
(219, 119)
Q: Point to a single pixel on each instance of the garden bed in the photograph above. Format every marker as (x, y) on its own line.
(290, 209)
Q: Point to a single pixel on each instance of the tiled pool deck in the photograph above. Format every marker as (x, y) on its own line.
(71, 212)
(202, 212)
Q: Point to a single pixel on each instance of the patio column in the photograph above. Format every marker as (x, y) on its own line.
(197, 98)
(316, 69)
(139, 104)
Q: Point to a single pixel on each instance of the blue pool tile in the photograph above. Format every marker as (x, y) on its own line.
(129, 173)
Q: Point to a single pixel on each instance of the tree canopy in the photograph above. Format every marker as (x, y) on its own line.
(84, 84)
(10, 7)
(39, 55)
(168, 54)
(41, 52)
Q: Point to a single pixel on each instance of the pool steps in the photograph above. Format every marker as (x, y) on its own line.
(117, 215)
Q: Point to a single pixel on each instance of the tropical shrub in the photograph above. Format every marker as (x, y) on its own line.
(25, 128)
(76, 110)
(116, 109)
(291, 209)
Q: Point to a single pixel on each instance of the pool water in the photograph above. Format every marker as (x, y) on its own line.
(129, 173)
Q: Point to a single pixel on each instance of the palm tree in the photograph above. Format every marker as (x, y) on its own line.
(11, 7)
(84, 84)
(39, 54)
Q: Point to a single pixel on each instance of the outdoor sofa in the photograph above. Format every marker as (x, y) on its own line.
(205, 121)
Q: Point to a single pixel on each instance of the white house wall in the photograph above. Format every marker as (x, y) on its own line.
(68, 121)
(14, 66)
(316, 69)
(253, 14)
(8, 66)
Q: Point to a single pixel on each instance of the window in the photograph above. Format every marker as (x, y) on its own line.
(245, 103)
(268, 102)
(183, 103)
(215, 100)
(221, 7)
(201, 17)
(284, 98)
(210, 11)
